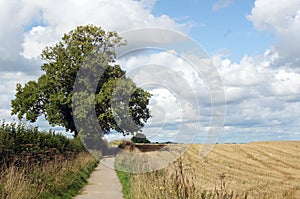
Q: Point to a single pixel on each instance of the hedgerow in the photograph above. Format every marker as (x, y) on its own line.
(20, 143)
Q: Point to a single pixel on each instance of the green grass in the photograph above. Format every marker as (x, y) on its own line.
(70, 183)
(125, 180)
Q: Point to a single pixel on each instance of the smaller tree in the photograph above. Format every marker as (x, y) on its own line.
(140, 138)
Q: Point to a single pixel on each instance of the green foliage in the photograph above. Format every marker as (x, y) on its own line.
(117, 94)
(91, 49)
(140, 138)
(17, 140)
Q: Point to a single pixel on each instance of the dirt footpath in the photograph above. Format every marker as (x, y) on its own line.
(103, 182)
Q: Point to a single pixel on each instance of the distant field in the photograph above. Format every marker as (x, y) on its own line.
(266, 169)
(254, 170)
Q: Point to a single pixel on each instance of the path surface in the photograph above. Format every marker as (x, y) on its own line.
(103, 182)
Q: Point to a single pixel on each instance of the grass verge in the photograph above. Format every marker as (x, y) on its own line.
(125, 180)
(57, 179)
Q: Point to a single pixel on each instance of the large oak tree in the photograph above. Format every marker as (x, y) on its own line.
(51, 95)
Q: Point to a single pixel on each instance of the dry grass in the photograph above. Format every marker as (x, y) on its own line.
(45, 181)
(15, 184)
(255, 170)
(177, 181)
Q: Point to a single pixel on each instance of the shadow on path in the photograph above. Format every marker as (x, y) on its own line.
(111, 152)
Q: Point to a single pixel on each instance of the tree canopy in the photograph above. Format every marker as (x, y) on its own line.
(140, 138)
(51, 95)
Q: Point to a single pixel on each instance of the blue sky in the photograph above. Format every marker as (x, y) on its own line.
(253, 45)
(226, 28)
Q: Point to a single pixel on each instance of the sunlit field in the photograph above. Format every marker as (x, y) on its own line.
(254, 170)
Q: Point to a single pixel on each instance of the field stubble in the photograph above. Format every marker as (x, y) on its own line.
(253, 170)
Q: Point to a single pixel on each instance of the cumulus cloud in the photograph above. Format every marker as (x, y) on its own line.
(281, 18)
(122, 15)
(14, 18)
(285, 84)
(246, 73)
(33, 25)
(260, 98)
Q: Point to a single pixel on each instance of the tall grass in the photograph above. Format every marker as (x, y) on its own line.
(15, 184)
(57, 179)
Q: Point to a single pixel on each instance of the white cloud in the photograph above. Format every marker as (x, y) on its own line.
(281, 18)
(14, 15)
(285, 84)
(35, 41)
(121, 15)
(262, 100)
(257, 95)
(246, 73)
(237, 94)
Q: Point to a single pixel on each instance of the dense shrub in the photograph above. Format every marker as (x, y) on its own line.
(21, 143)
(140, 138)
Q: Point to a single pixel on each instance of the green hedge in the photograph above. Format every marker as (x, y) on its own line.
(18, 141)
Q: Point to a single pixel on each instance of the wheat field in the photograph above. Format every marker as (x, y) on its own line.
(253, 170)
(262, 169)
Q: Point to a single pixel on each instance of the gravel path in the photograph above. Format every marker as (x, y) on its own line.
(103, 182)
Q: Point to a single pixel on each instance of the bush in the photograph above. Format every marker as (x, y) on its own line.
(22, 144)
(140, 138)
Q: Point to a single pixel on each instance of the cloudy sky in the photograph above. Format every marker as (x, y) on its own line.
(253, 45)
